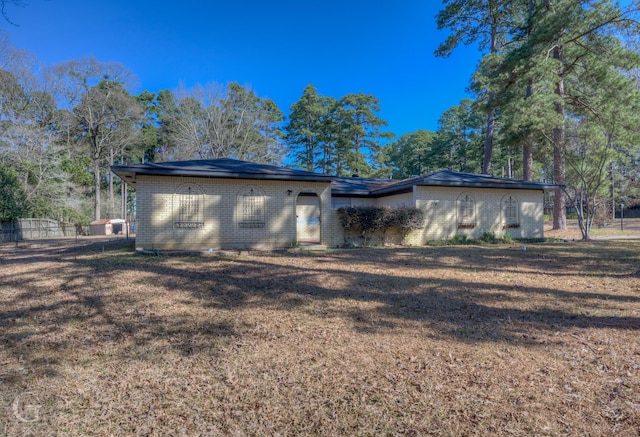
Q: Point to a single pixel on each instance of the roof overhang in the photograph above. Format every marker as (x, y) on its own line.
(130, 173)
(507, 186)
(449, 178)
(341, 186)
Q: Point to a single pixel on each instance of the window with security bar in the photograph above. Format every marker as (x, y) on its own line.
(510, 212)
(252, 202)
(466, 212)
(188, 207)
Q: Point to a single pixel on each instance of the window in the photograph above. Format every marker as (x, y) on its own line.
(188, 207)
(251, 207)
(510, 215)
(466, 211)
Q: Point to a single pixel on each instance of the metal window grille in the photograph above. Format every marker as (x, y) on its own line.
(252, 209)
(189, 209)
(466, 211)
(511, 213)
(511, 210)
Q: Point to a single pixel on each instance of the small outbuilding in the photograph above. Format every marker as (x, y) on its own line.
(108, 227)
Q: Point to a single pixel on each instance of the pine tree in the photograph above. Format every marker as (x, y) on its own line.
(303, 132)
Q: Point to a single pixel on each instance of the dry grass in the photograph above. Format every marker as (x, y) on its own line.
(431, 341)
(630, 229)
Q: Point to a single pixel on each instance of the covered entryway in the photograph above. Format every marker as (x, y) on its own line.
(308, 217)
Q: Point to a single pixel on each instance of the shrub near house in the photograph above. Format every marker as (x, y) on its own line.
(368, 220)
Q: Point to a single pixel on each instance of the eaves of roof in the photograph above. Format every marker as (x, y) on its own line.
(358, 187)
(398, 187)
(341, 186)
(218, 168)
(445, 178)
(448, 178)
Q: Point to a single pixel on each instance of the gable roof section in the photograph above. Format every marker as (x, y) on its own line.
(450, 178)
(456, 178)
(217, 168)
(356, 186)
(445, 178)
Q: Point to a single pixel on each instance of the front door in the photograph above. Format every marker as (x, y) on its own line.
(308, 218)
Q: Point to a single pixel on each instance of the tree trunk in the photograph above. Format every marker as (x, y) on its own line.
(527, 159)
(488, 141)
(613, 195)
(123, 194)
(560, 200)
(96, 181)
(527, 147)
(112, 202)
(491, 121)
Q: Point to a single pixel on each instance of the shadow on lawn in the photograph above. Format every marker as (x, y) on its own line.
(453, 308)
(552, 259)
(468, 311)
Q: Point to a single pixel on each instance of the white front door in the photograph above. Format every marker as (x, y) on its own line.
(308, 218)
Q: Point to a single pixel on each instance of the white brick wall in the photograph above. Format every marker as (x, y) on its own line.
(156, 218)
(441, 221)
(397, 201)
(440, 206)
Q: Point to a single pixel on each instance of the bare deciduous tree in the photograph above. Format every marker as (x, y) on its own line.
(213, 122)
(95, 94)
(3, 8)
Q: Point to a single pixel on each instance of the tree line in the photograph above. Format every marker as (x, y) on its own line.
(555, 98)
(558, 85)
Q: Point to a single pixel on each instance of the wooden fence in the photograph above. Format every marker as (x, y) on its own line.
(34, 229)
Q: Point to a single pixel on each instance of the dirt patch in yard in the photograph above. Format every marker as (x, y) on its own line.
(488, 340)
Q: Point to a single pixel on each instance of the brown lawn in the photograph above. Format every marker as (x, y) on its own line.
(465, 340)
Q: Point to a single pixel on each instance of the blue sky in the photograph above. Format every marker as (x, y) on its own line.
(276, 47)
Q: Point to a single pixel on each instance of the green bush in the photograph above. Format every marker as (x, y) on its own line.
(489, 237)
(406, 218)
(460, 239)
(369, 219)
(13, 202)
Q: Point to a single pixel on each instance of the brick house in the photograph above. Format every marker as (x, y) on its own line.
(227, 203)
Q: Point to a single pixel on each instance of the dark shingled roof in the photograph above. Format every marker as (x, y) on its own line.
(217, 168)
(345, 186)
(356, 186)
(450, 178)
(456, 178)
(444, 178)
